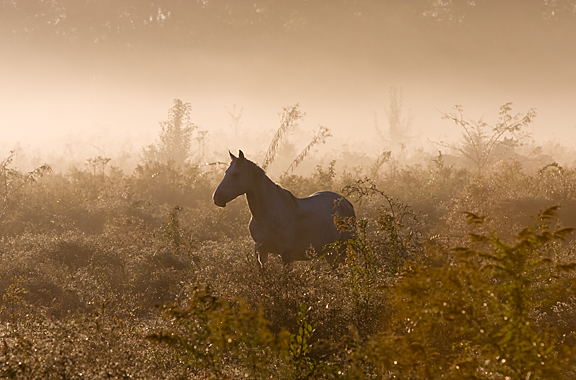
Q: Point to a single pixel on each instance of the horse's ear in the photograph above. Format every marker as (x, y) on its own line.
(241, 154)
(233, 157)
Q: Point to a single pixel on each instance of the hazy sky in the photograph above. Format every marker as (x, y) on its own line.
(110, 70)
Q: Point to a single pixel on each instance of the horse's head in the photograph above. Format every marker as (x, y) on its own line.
(237, 181)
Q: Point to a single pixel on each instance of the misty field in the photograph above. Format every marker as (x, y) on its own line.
(116, 262)
(451, 274)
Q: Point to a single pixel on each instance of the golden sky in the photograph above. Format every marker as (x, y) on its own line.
(111, 69)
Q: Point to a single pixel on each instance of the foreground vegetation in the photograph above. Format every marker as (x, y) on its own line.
(109, 274)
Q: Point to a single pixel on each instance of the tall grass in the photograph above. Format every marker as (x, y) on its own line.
(108, 274)
(320, 137)
(289, 119)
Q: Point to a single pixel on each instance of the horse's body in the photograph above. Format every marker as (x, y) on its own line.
(282, 223)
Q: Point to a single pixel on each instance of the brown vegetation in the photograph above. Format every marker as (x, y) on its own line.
(108, 274)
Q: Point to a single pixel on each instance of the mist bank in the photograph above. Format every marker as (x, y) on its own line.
(104, 76)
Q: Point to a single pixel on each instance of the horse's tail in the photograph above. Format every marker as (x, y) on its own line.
(349, 208)
(347, 217)
(345, 222)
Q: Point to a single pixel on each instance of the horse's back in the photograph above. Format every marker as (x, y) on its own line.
(315, 222)
(317, 211)
(323, 201)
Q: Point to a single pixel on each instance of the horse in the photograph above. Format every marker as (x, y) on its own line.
(282, 223)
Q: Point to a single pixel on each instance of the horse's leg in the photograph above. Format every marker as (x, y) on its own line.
(339, 255)
(287, 257)
(261, 255)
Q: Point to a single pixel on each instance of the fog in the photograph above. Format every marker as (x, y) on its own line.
(91, 81)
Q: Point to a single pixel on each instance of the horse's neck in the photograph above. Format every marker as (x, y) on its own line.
(265, 197)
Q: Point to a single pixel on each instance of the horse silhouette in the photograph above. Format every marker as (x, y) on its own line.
(282, 223)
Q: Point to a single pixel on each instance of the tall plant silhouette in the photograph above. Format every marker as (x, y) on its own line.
(175, 139)
(480, 139)
(289, 119)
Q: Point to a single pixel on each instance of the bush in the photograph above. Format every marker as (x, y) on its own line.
(475, 313)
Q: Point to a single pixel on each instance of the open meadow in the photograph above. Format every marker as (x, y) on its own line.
(452, 273)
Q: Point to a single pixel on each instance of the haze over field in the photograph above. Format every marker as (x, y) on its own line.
(116, 117)
(107, 72)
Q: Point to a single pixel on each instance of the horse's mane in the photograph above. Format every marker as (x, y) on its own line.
(259, 173)
(256, 170)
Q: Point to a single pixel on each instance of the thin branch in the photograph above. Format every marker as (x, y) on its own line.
(319, 138)
(289, 119)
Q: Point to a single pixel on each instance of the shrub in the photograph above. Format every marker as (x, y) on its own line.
(474, 313)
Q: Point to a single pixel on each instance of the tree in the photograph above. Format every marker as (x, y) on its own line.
(479, 139)
(399, 126)
(236, 117)
(131, 22)
(175, 137)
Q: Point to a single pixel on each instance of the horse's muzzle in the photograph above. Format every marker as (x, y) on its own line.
(218, 202)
